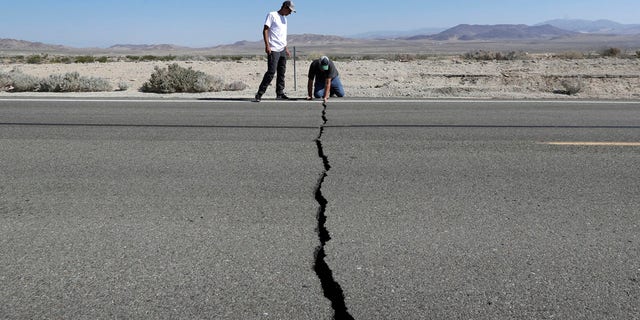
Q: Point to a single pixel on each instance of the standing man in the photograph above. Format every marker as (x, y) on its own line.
(274, 34)
(327, 80)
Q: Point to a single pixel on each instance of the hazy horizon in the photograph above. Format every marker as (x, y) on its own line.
(200, 23)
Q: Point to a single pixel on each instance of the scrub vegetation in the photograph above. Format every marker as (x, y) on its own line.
(16, 81)
(69, 59)
(172, 79)
(175, 78)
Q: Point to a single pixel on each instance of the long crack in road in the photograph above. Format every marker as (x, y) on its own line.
(330, 286)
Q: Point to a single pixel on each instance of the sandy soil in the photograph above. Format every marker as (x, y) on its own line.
(535, 78)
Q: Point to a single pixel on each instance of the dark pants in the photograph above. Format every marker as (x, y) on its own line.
(336, 88)
(276, 63)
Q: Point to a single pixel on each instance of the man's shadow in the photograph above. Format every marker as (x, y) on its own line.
(225, 99)
(242, 99)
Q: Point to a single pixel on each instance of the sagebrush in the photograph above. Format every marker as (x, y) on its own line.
(16, 81)
(570, 55)
(74, 82)
(612, 52)
(235, 86)
(177, 79)
(570, 87)
(482, 55)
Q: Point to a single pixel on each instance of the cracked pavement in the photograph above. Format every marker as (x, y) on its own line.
(330, 287)
(180, 209)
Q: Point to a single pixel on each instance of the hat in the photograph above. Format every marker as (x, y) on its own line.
(324, 63)
(290, 5)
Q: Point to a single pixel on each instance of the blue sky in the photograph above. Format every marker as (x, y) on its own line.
(202, 23)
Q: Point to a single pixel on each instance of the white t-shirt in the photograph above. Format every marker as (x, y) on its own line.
(277, 31)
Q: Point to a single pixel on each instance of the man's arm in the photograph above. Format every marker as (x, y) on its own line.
(311, 77)
(265, 37)
(327, 89)
(310, 89)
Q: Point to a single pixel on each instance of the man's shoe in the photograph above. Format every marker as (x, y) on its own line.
(257, 98)
(282, 97)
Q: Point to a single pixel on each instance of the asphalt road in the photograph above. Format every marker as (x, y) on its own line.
(182, 209)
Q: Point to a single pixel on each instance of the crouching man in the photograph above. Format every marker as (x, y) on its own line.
(327, 81)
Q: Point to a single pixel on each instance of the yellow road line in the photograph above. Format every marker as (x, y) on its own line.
(615, 144)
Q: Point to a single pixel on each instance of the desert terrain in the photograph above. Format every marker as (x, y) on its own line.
(535, 77)
(560, 68)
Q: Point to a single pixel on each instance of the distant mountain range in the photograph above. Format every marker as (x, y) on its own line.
(306, 40)
(575, 25)
(382, 35)
(147, 47)
(466, 32)
(598, 26)
(553, 29)
(12, 44)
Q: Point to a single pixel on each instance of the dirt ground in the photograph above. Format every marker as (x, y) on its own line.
(539, 77)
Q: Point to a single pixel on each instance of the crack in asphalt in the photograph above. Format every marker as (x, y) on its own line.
(330, 286)
(426, 126)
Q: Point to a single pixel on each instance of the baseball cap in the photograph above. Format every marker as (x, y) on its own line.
(290, 5)
(324, 63)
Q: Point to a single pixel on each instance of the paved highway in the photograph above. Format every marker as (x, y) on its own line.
(365, 209)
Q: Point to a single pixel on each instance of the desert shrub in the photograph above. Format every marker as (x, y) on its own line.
(35, 59)
(157, 58)
(235, 86)
(45, 58)
(404, 57)
(73, 82)
(233, 58)
(571, 87)
(226, 58)
(5, 81)
(18, 59)
(85, 59)
(612, 52)
(61, 59)
(515, 55)
(482, 55)
(194, 58)
(638, 54)
(571, 55)
(123, 86)
(178, 79)
(17, 81)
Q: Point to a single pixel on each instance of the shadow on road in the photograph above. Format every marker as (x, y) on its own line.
(226, 99)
